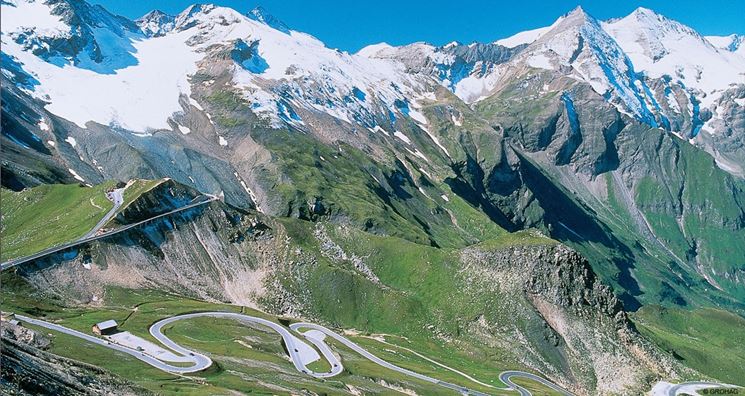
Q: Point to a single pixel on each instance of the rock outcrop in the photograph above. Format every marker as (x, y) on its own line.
(30, 370)
(568, 321)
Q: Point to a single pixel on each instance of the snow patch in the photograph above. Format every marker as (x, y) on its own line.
(75, 174)
(456, 120)
(223, 142)
(249, 191)
(403, 137)
(379, 129)
(540, 61)
(417, 153)
(435, 139)
(417, 116)
(672, 101)
(195, 104)
(72, 141)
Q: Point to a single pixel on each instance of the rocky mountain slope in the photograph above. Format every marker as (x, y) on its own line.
(29, 370)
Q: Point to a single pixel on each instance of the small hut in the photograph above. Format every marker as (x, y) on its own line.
(105, 328)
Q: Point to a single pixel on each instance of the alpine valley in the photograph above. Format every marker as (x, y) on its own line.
(565, 207)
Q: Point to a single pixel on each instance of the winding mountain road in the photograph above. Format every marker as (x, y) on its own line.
(301, 354)
(117, 198)
(200, 364)
(299, 351)
(504, 376)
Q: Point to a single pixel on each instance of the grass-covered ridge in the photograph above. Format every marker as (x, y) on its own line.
(48, 215)
(136, 188)
(52, 214)
(708, 340)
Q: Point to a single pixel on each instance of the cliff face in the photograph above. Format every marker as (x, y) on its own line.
(568, 321)
(29, 370)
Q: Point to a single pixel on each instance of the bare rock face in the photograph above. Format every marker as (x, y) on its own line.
(29, 370)
(724, 138)
(20, 334)
(565, 317)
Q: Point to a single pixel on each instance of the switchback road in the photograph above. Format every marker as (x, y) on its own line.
(299, 351)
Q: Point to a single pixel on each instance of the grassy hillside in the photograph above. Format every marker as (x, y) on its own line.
(398, 199)
(708, 340)
(417, 297)
(48, 215)
(51, 214)
(137, 188)
(247, 358)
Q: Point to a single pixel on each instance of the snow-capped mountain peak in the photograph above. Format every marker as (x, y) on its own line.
(661, 47)
(70, 32)
(156, 23)
(578, 42)
(206, 15)
(527, 36)
(653, 32)
(148, 64)
(372, 50)
(277, 70)
(260, 14)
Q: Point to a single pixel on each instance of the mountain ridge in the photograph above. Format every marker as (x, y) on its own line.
(185, 20)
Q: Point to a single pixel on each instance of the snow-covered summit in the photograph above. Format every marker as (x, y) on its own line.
(661, 47)
(260, 14)
(527, 36)
(278, 68)
(90, 65)
(578, 43)
(156, 23)
(74, 32)
(370, 51)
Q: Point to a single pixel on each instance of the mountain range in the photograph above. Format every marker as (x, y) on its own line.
(623, 141)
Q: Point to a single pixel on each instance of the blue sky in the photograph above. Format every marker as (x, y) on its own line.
(350, 25)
